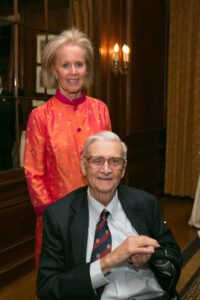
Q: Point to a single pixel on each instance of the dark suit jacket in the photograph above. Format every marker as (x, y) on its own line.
(63, 272)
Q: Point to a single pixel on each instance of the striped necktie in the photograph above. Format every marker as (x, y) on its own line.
(102, 240)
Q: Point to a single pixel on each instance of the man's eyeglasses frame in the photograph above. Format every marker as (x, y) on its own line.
(96, 162)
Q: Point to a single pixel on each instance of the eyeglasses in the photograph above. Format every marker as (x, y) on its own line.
(96, 162)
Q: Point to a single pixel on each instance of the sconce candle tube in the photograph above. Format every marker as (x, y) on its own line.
(116, 52)
(126, 51)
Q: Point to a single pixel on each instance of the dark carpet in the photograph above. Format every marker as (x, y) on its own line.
(190, 277)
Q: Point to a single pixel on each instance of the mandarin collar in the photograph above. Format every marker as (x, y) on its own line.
(73, 102)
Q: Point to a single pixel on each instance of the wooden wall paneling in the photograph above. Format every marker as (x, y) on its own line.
(124, 87)
(135, 101)
(109, 38)
(60, 15)
(112, 28)
(129, 81)
(146, 156)
(149, 64)
(18, 261)
(94, 34)
(17, 221)
(104, 26)
(145, 133)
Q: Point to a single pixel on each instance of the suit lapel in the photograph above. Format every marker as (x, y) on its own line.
(79, 229)
(133, 211)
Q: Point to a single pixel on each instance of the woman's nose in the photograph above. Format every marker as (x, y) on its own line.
(73, 69)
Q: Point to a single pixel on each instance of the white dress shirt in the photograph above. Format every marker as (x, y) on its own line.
(124, 281)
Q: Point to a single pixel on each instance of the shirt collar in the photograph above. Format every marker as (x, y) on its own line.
(95, 207)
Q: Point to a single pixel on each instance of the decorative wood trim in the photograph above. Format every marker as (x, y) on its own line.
(17, 234)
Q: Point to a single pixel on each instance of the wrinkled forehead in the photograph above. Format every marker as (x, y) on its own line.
(105, 148)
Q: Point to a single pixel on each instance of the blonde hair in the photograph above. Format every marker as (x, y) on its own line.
(49, 55)
(104, 136)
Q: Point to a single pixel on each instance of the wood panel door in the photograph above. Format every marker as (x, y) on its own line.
(136, 100)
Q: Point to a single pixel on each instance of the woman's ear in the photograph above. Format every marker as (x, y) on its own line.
(55, 75)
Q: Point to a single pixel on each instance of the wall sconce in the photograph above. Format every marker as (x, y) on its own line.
(117, 66)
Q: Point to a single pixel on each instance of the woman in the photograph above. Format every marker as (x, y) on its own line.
(57, 130)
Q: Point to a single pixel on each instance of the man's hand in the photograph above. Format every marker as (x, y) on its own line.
(139, 259)
(136, 249)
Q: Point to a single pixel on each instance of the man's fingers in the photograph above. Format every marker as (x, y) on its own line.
(143, 244)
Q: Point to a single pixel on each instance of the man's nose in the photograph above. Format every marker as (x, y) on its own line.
(106, 167)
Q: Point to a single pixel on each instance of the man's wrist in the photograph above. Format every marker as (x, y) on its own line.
(106, 265)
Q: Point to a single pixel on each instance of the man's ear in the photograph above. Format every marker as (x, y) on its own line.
(82, 164)
(124, 170)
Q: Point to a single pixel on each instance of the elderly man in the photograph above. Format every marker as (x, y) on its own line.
(106, 241)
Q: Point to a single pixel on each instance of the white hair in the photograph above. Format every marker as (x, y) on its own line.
(105, 136)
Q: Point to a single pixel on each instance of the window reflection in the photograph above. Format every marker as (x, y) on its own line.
(6, 8)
